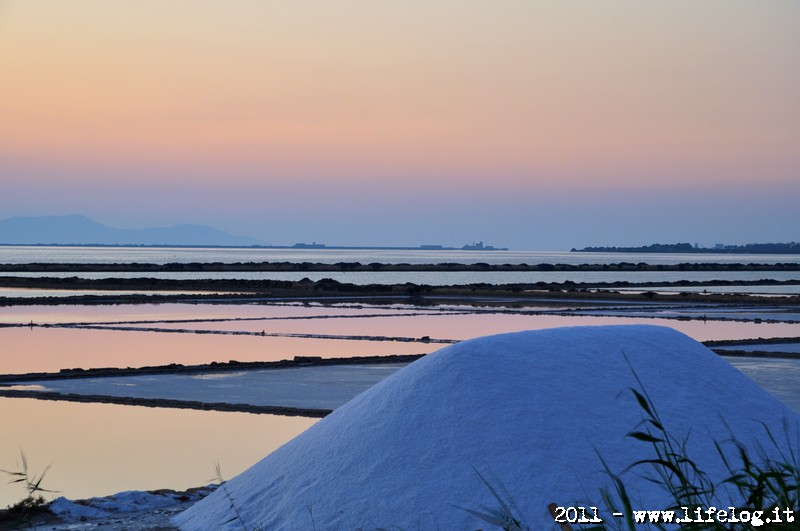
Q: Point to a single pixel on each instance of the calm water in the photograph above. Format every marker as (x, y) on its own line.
(99, 449)
(34, 292)
(19, 255)
(778, 376)
(167, 255)
(26, 349)
(443, 278)
(466, 326)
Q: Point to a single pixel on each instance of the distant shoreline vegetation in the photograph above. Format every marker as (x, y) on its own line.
(749, 248)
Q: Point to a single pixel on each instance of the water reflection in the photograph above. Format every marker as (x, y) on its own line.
(445, 278)
(53, 349)
(465, 326)
(778, 376)
(163, 255)
(35, 292)
(156, 312)
(100, 449)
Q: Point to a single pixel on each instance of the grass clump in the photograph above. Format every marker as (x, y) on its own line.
(33, 502)
(762, 483)
(763, 487)
(237, 517)
(502, 517)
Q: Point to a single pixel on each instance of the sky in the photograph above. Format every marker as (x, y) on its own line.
(539, 125)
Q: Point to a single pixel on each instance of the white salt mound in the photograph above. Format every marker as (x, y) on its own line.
(530, 411)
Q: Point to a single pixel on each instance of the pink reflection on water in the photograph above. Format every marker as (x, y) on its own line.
(145, 312)
(52, 349)
(155, 312)
(100, 449)
(466, 326)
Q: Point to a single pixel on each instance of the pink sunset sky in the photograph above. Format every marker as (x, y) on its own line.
(527, 124)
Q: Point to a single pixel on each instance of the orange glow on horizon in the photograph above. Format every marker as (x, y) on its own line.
(552, 94)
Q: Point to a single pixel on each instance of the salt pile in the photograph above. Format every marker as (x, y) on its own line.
(529, 411)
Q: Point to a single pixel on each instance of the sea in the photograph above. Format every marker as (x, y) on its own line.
(164, 255)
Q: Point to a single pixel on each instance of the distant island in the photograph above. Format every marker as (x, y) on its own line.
(749, 248)
(479, 246)
(80, 230)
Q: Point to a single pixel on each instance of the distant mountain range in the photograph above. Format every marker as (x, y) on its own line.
(80, 230)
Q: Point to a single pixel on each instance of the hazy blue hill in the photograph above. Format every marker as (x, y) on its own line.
(69, 230)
